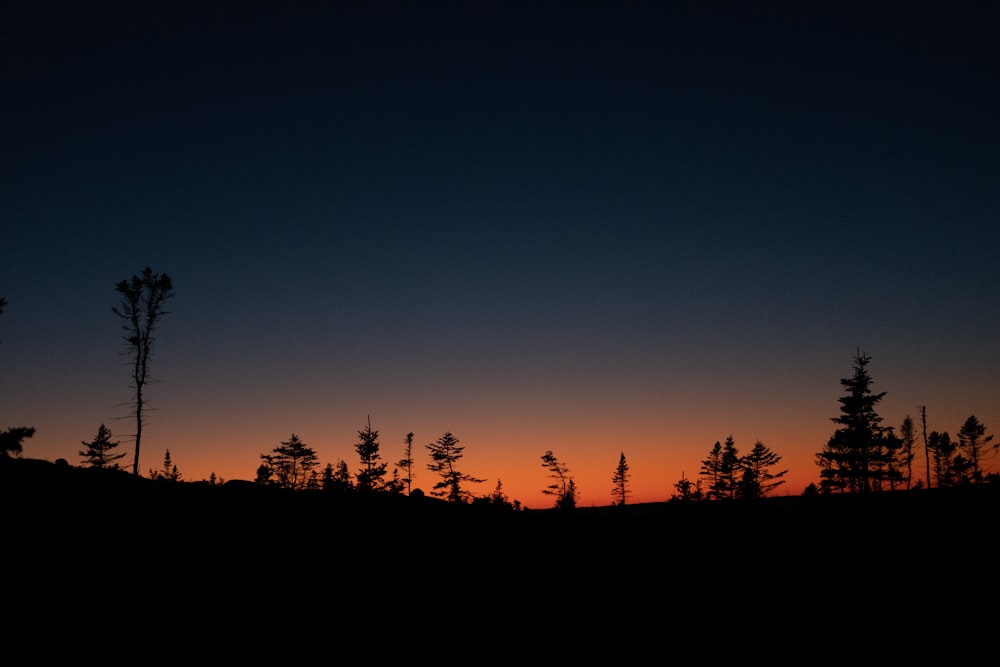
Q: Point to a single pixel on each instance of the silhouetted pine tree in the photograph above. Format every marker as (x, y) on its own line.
(168, 472)
(99, 452)
(619, 482)
(855, 453)
(288, 465)
(371, 476)
(445, 453)
(907, 453)
(975, 446)
(756, 478)
(563, 487)
(406, 463)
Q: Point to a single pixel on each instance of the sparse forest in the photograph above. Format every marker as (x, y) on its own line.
(248, 552)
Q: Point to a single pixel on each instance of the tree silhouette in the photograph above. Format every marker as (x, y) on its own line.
(371, 476)
(141, 306)
(756, 478)
(721, 470)
(99, 452)
(943, 453)
(975, 446)
(908, 436)
(855, 452)
(337, 477)
(445, 453)
(686, 490)
(563, 487)
(619, 482)
(406, 463)
(11, 440)
(927, 444)
(288, 465)
(168, 472)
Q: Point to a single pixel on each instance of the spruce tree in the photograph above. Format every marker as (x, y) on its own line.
(619, 481)
(445, 454)
(99, 452)
(854, 453)
(371, 476)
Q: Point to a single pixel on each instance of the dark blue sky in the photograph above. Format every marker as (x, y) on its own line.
(676, 216)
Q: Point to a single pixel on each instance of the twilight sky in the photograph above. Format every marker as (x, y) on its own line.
(591, 228)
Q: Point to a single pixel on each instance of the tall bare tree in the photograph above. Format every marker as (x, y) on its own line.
(140, 308)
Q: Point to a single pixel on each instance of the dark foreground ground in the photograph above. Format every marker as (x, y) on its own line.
(106, 568)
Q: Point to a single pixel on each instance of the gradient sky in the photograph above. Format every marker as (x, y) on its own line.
(593, 228)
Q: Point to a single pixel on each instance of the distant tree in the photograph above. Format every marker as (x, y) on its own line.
(563, 487)
(337, 478)
(908, 436)
(927, 444)
(445, 453)
(265, 475)
(756, 478)
(215, 480)
(496, 499)
(288, 464)
(11, 440)
(168, 472)
(975, 446)
(619, 482)
(100, 452)
(406, 463)
(371, 476)
(141, 306)
(685, 490)
(853, 455)
(711, 469)
(890, 464)
(943, 451)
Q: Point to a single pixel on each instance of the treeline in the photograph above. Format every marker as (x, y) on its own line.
(862, 456)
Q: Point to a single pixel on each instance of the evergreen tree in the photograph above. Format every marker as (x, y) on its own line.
(337, 478)
(562, 487)
(890, 467)
(908, 436)
(729, 471)
(289, 464)
(711, 469)
(685, 490)
(975, 446)
(168, 472)
(406, 463)
(619, 482)
(853, 455)
(371, 476)
(943, 452)
(99, 452)
(445, 454)
(756, 478)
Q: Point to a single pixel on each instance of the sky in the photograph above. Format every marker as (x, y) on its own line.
(590, 228)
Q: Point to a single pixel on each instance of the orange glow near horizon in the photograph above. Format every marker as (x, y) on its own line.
(494, 451)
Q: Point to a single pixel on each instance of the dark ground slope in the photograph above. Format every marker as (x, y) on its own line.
(111, 566)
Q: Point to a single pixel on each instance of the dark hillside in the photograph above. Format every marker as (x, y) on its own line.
(113, 564)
